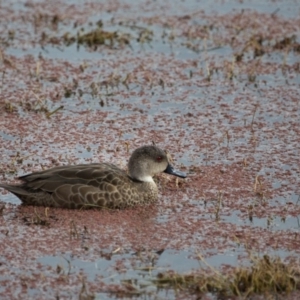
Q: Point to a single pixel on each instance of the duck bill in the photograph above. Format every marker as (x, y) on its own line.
(170, 170)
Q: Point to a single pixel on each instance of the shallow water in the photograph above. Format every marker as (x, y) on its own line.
(233, 126)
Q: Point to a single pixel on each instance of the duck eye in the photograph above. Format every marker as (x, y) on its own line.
(159, 158)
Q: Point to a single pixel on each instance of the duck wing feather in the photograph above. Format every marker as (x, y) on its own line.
(100, 185)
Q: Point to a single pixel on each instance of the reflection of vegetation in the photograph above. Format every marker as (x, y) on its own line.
(260, 45)
(98, 37)
(37, 219)
(93, 38)
(266, 275)
(36, 107)
(289, 43)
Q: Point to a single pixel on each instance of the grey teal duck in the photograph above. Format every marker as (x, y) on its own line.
(100, 185)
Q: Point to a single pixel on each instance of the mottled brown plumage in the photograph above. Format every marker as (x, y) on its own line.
(96, 185)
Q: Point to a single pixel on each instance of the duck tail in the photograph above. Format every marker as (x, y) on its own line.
(15, 189)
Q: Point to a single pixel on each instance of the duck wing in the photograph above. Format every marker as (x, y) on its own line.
(92, 185)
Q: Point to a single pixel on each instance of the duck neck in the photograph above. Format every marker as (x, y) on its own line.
(141, 177)
(146, 179)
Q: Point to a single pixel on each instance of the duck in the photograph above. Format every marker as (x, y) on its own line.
(97, 185)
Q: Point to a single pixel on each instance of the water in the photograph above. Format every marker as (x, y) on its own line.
(234, 127)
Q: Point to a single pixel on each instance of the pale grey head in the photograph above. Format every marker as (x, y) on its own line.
(147, 161)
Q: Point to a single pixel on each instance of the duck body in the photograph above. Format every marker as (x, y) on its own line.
(96, 185)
